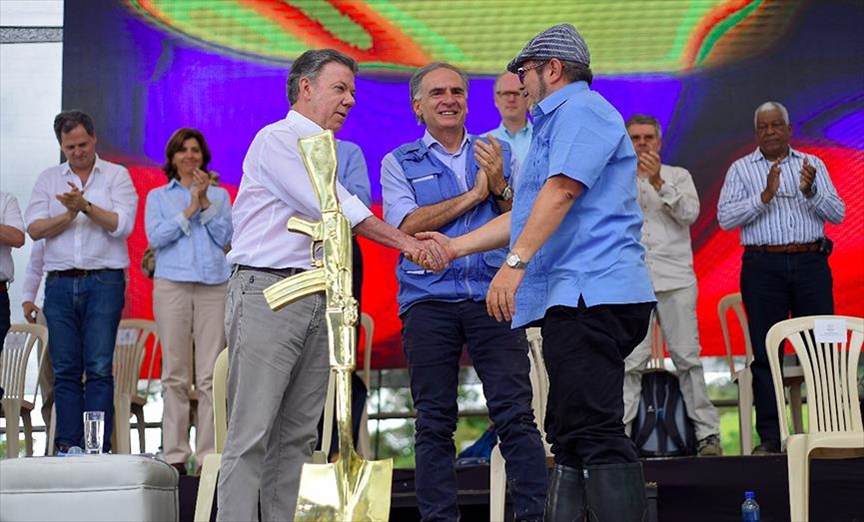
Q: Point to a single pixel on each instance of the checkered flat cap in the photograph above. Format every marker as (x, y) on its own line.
(561, 41)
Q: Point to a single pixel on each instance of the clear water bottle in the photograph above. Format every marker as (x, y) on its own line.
(750, 509)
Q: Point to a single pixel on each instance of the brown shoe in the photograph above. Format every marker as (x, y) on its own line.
(767, 447)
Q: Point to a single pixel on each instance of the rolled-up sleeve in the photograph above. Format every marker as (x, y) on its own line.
(125, 201)
(396, 191)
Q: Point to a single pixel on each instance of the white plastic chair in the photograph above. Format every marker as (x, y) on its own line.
(18, 345)
(830, 373)
(540, 388)
(133, 336)
(210, 468)
(793, 376)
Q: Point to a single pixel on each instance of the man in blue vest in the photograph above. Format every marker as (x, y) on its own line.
(453, 182)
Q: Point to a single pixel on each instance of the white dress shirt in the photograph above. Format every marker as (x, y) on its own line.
(33, 272)
(669, 212)
(276, 186)
(10, 215)
(84, 244)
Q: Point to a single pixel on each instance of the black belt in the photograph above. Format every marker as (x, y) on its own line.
(794, 248)
(78, 272)
(281, 272)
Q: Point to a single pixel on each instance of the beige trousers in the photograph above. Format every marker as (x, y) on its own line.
(187, 315)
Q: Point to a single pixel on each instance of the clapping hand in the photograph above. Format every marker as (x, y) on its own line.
(200, 183)
(649, 166)
(73, 200)
(808, 176)
(491, 161)
(772, 183)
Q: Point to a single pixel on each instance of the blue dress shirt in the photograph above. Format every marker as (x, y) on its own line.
(595, 253)
(189, 250)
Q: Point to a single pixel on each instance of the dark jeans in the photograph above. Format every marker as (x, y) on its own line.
(773, 285)
(584, 350)
(83, 314)
(433, 334)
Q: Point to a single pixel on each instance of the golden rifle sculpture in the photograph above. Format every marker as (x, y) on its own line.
(349, 488)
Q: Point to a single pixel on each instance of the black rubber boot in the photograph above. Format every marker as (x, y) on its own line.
(616, 493)
(565, 501)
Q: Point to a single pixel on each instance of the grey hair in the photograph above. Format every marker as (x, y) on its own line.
(770, 106)
(309, 65)
(419, 74)
(644, 119)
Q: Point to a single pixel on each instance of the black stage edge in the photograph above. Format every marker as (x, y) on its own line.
(687, 489)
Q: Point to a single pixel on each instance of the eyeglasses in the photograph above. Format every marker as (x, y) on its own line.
(508, 94)
(522, 70)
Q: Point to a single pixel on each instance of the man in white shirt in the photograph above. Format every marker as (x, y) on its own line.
(515, 128)
(84, 209)
(278, 361)
(670, 205)
(11, 236)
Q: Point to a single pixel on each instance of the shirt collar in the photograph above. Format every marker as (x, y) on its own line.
(304, 125)
(758, 156)
(98, 166)
(432, 143)
(526, 129)
(557, 98)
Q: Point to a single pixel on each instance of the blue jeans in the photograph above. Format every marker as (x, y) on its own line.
(433, 334)
(83, 314)
(773, 285)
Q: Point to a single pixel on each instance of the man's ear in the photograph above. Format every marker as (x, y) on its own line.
(305, 85)
(555, 68)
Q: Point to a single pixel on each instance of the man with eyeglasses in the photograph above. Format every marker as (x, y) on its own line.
(454, 182)
(780, 198)
(578, 266)
(515, 128)
(670, 204)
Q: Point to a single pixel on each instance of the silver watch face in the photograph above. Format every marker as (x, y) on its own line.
(507, 193)
(513, 261)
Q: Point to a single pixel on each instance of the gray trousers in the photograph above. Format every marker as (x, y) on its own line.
(277, 384)
(676, 312)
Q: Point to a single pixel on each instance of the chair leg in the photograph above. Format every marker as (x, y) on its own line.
(798, 460)
(745, 412)
(122, 405)
(497, 485)
(138, 411)
(49, 445)
(28, 433)
(207, 487)
(12, 409)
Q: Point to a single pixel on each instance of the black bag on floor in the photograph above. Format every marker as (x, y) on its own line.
(661, 427)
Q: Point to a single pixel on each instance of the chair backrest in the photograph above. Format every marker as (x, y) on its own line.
(17, 347)
(830, 369)
(220, 400)
(539, 379)
(133, 335)
(734, 302)
(368, 332)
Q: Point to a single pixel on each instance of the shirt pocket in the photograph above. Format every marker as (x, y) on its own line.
(426, 182)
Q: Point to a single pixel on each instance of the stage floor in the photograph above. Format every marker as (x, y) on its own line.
(688, 489)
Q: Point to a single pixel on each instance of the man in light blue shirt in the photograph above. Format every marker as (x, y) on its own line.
(515, 128)
(578, 266)
(454, 182)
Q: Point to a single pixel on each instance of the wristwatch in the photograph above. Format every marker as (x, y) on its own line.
(506, 194)
(514, 261)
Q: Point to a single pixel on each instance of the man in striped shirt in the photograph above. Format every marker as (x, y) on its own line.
(781, 199)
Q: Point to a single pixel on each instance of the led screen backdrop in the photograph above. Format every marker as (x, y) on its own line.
(143, 68)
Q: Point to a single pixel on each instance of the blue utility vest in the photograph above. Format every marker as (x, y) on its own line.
(433, 182)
